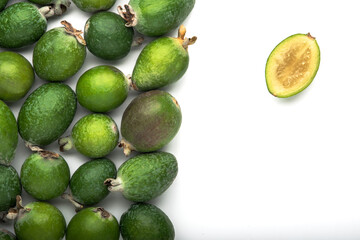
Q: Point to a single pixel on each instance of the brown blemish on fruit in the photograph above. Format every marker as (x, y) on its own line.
(176, 102)
(104, 213)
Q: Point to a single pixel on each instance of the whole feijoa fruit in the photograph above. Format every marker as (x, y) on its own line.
(59, 54)
(93, 223)
(6, 235)
(145, 221)
(10, 187)
(47, 113)
(3, 4)
(8, 134)
(107, 37)
(145, 176)
(102, 88)
(45, 175)
(87, 183)
(40, 221)
(162, 62)
(94, 136)
(155, 18)
(16, 76)
(150, 122)
(92, 6)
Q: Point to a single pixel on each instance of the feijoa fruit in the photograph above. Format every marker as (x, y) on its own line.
(10, 187)
(8, 134)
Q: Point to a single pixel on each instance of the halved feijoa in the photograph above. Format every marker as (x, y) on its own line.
(292, 65)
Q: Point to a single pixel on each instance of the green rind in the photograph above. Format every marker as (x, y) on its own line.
(107, 37)
(10, 187)
(90, 225)
(6, 235)
(160, 63)
(41, 2)
(147, 176)
(145, 221)
(21, 24)
(16, 76)
(156, 18)
(87, 183)
(42, 222)
(92, 6)
(58, 55)
(44, 178)
(151, 121)
(3, 4)
(47, 113)
(8, 134)
(102, 88)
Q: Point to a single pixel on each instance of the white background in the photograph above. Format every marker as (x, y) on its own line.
(252, 166)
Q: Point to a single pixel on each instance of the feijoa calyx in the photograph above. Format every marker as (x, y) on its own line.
(8, 134)
(10, 187)
(292, 65)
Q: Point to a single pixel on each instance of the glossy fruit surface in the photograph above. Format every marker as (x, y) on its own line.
(292, 65)
(10, 187)
(8, 134)
(47, 113)
(16, 76)
(102, 88)
(92, 6)
(107, 37)
(145, 221)
(6, 235)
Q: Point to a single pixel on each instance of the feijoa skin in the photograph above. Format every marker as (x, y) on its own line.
(45, 175)
(87, 183)
(107, 37)
(8, 134)
(16, 76)
(92, 6)
(10, 187)
(102, 88)
(150, 122)
(3, 4)
(146, 221)
(40, 221)
(93, 223)
(47, 113)
(6, 235)
(145, 176)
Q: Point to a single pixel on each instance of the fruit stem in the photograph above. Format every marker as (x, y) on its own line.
(19, 211)
(185, 42)
(43, 153)
(66, 143)
(77, 205)
(57, 8)
(104, 214)
(128, 15)
(69, 29)
(131, 85)
(114, 185)
(309, 35)
(126, 145)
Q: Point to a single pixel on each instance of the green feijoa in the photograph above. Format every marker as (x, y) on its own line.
(47, 113)
(150, 122)
(58, 54)
(93, 224)
(162, 62)
(45, 175)
(146, 221)
(107, 37)
(94, 136)
(92, 6)
(145, 176)
(156, 17)
(87, 183)
(10, 187)
(8, 134)
(6, 235)
(16, 76)
(57, 5)
(3, 4)
(40, 221)
(102, 88)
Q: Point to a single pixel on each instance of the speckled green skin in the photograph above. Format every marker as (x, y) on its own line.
(146, 176)
(88, 224)
(3, 4)
(145, 221)
(102, 88)
(41, 2)
(8, 134)
(47, 113)
(58, 55)
(21, 24)
(6, 235)
(92, 6)
(87, 183)
(157, 17)
(42, 222)
(160, 63)
(151, 121)
(95, 135)
(9, 187)
(44, 177)
(107, 37)
(16, 76)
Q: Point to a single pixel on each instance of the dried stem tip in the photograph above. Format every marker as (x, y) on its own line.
(104, 213)
(74, 32)
(185, 42)
(128, 15)
(309, 35)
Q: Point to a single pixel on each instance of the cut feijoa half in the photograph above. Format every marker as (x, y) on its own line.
(292, 65)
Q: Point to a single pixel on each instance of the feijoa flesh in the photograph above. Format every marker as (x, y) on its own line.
(150, 122)
(92, 6)
(292, 65)
(107, 37)
(47, 113)
(6, 235)
(145, 176)
(10, 187)
(162, 62)
(8, 134)
(146, 221)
